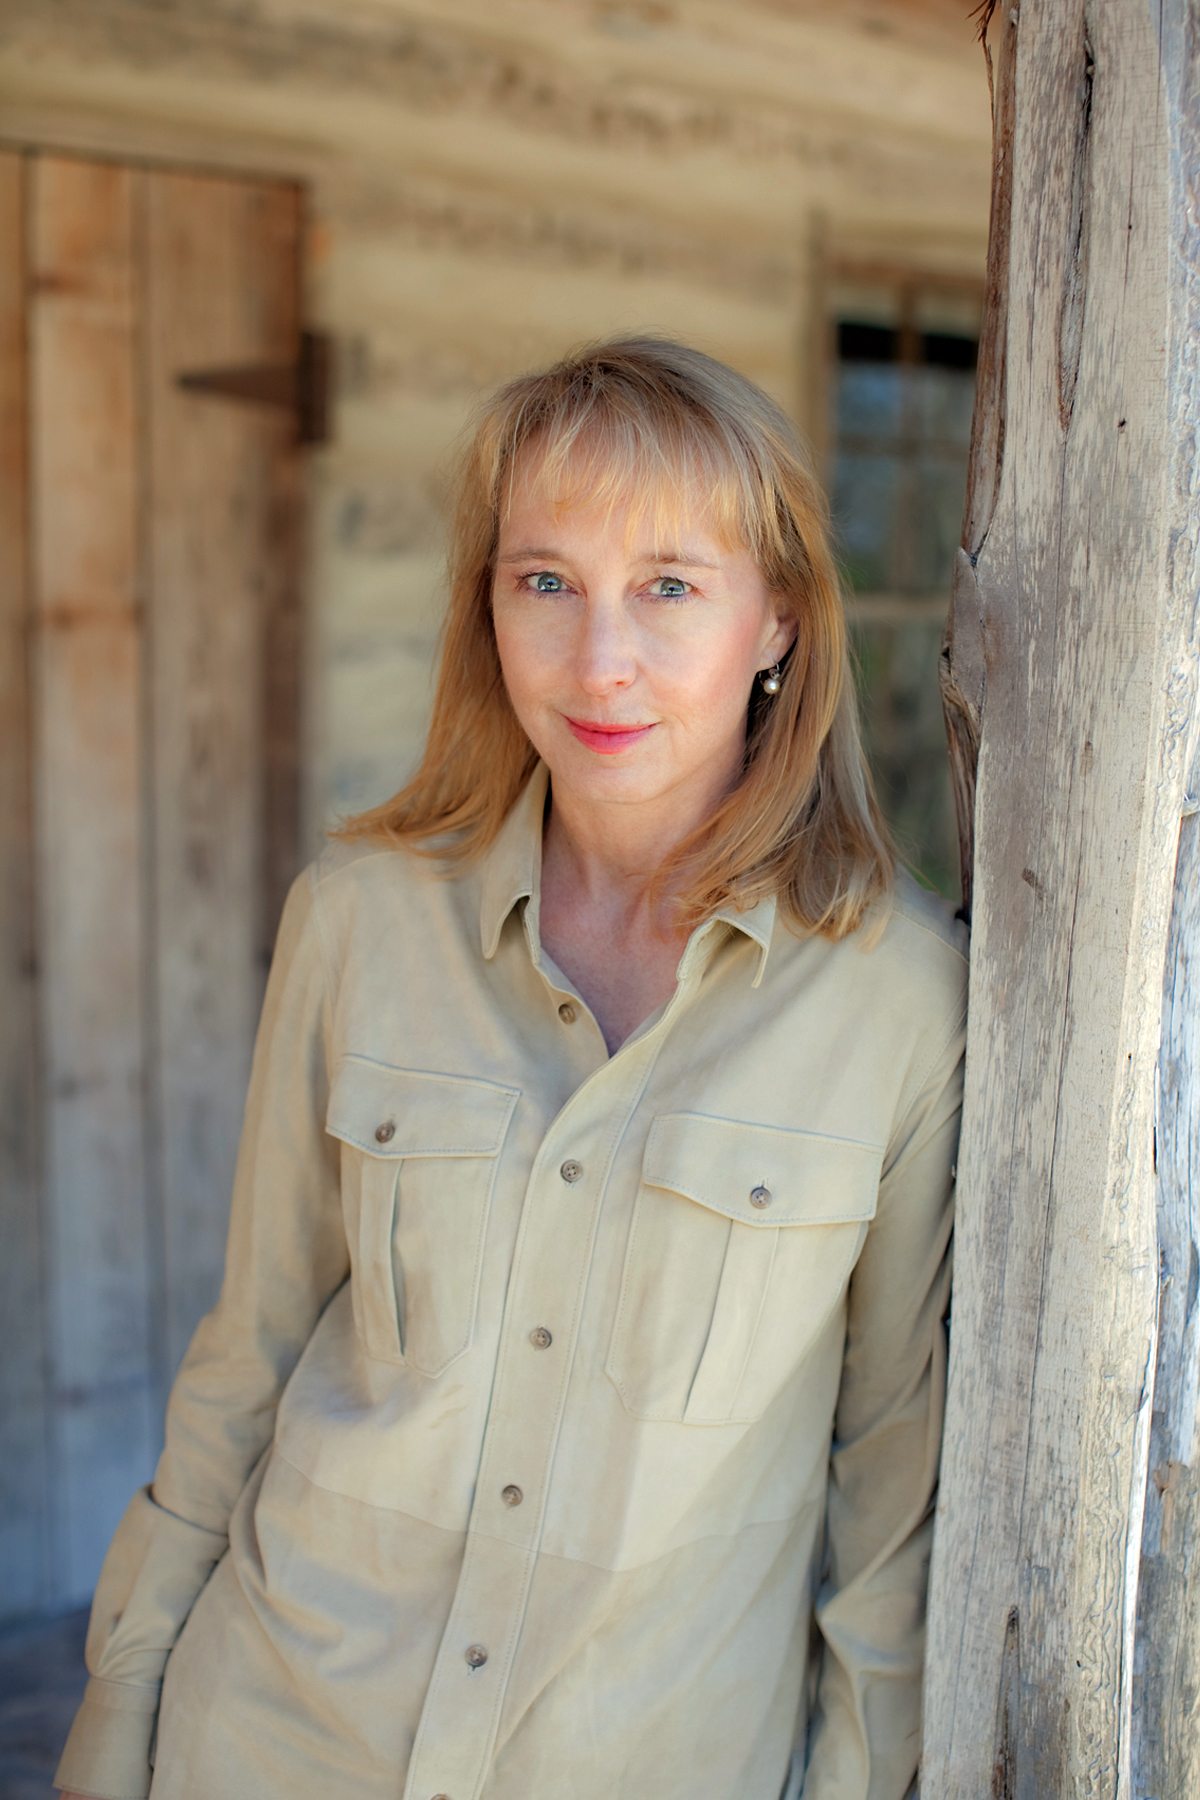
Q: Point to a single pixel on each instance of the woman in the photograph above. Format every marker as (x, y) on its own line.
(581, 1343)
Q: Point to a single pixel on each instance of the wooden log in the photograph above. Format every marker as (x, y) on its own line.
(221, 287)
(1073, 619)
(961, 669)
(88, 760)
(25, 1572)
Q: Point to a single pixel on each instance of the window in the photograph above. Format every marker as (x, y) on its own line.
(902, 392)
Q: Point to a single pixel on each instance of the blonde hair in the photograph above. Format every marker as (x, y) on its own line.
(654, 419)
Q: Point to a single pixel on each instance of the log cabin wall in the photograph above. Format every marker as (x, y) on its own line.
(486, 183)
(493, 181)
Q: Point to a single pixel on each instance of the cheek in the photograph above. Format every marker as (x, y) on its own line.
(513, 645)
(719, 675)
(526, 656)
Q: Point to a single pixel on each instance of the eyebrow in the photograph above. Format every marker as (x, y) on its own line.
(682, 558)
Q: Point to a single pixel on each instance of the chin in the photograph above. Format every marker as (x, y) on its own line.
(620, 787)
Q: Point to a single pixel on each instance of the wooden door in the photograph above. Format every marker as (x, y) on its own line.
(148, 810)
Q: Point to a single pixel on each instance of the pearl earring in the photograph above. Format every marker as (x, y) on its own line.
(770, 680)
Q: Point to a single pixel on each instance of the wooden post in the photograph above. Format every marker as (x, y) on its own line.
(1071, 666)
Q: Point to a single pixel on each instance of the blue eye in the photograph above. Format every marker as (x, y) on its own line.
(546, 583)
(668, 587)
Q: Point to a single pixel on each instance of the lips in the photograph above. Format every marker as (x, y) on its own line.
(607, 740)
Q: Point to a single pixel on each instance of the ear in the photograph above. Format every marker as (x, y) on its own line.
(779, 638)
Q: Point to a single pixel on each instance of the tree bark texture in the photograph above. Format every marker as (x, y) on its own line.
(1071, 665)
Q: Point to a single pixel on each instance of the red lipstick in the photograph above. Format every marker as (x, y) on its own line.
(607, 739)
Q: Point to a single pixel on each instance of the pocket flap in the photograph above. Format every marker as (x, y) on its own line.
(409, 1112)
(808, 1179)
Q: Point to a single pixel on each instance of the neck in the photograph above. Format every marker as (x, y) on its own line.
(602, 920)
(606, 857)
(613, 877)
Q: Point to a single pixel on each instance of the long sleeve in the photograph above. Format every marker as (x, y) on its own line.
(866, 1732)
(287, 1255)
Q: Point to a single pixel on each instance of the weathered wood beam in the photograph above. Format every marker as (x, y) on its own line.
(961, 669)
(1071, 664)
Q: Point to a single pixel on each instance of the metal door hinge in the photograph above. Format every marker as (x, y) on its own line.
(302, 386)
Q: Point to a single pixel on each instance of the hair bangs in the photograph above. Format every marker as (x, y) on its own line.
(659, 486)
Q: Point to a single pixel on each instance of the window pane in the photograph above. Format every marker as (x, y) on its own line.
(902, 399)
(870, 400)
(864, 494)
(905, 742)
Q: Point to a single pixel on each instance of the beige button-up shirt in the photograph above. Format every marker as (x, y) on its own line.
(552, 1397)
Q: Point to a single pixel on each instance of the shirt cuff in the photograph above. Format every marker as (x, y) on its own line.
(108, 1751)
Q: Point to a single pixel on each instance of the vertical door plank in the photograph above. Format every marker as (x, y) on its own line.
(24, 1474)
(273, 224)
(221, 284)
(90, 844)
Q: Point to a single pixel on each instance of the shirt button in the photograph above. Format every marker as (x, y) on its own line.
(386, 1132)
(476, 1656)
(566, 1013)
(540, 1338)
(760, 1196)
(511, 1495)
(571, 1171)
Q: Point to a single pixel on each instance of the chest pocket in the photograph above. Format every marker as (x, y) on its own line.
(418, 1167)
(742, 1240)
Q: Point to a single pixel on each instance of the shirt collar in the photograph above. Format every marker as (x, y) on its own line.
(512, 867)
(757, 923)
(512, 871)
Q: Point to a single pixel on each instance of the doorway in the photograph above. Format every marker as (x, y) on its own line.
(149, 666)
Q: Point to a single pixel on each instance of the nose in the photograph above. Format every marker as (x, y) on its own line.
(606, 656)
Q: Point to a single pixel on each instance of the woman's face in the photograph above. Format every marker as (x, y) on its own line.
(630, 662)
